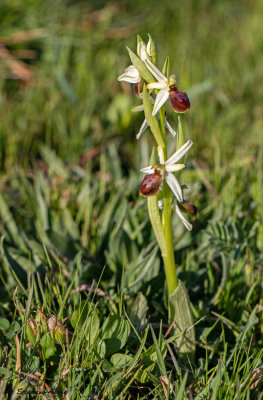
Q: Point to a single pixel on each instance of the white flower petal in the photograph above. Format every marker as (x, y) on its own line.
(183, 219)
(157, 85)
(147, 170)
(160, 154)
(137, 108)
(142, 129)
(170, 129)
(161, 98)
(174, 167)
(154, 70)
(130, 75)
(174, 185)
(179, 153)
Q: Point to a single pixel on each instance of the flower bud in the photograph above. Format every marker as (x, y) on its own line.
(141, 49)
(188, 207)
(151, 50)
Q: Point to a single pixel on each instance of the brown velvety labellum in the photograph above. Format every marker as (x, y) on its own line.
(179, 100)
(151, 184)
(188, 207)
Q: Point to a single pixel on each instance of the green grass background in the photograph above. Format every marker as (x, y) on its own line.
(71, 214)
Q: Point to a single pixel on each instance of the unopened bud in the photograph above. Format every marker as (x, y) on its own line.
(188, 207)
(151, 50)
(141, 49)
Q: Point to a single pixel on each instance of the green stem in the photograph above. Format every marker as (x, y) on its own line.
(168, 259)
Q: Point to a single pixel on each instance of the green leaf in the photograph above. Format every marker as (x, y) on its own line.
(144, 375)
(4, 324)
(166, 67)
(115, 332)
(80, 314)
(160, 356)
(152, 120)
(151, 356)
(137, 312)
(180, 311)
(121, 360)
(92, 326)
(48, 346)
(141, 67)
(15, 326)
(180, 392)
(30, 335)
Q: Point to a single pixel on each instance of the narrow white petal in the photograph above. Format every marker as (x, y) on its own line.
(174, 185)
(160, 154)
(170, 129)
(130, 75)
(183, 219)
(157, 85)
(179, 153)
(161, 98)
(147, 170)
(142, 129)
(174, 167)
(137, 108)
(155, 71)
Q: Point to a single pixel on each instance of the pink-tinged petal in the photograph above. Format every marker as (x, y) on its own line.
(160, 100)
(179, 153)
(179, 100)
(174, 185)
(182, 218)
(131, 75)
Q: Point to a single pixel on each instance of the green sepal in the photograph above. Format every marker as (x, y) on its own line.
(153, 54)
(152, 120)
(166, 67)
(156, 222)
(141, 67)
(180, 311)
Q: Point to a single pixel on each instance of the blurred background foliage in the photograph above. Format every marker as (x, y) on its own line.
(70, 162)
